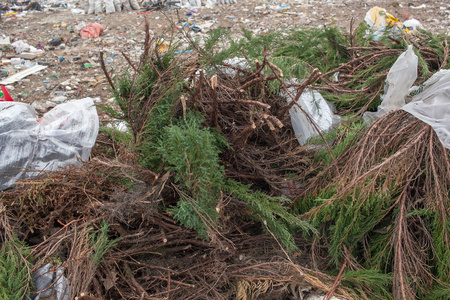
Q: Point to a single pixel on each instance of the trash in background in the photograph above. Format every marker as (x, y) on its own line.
(379, 21)
(5, 94)
(22, 74)
(91, 30)
(207, 3)
(20, 46)
(59, 139)
(413, 24)
(111, 6)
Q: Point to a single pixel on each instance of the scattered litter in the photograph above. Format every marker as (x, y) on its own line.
(56, 41)
(234, 62)
(207, 3)
(51, 282)
(79, 26)
(399, 80)
(320, 111)
(5, 41)
(20, 46)
(430, 101)
(431, 104)
(29, 146)
(22, 74)
(5, 94)
(76, 11)
(379, 21)
(111, 6)
(422, 6)
(413, 24)
(92, 30)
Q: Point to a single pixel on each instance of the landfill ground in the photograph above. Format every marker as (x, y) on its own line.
(74, 69)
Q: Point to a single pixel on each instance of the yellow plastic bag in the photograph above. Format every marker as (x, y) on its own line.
(378, 19)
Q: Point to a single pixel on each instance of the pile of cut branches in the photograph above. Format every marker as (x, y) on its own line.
(384, 206)
(116, 243)
(185, 203)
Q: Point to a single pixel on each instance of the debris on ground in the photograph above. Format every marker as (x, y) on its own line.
(184, 174)
(31, 146)
(93, 30)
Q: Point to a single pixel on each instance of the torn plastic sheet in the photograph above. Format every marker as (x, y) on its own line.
(51, 282)
(28, 147)
(399, 80)
(320, 111)
(237, 62)
(432, 105)
(430, 101)
(22, 74)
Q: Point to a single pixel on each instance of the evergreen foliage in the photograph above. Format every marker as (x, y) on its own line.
(191, 153)
(271, 211)
(371, 284)
(385, 207)
(101, 244)
(380, 216)
(146, 103)
(15, 268)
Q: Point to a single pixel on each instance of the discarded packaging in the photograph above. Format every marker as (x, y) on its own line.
(76, 11)
(59, 139)
(22, 74)
(430, 101)
(431, 104)
(5, 41)
(320, 111)
(56, 41)
(379, 20)
(413, 24)
(6, 96)
(20, 46)
(51, 282)
(399, 80)
(92, 30)
(207, 3)
(111, 6)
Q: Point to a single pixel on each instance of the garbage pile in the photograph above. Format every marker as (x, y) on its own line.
(280, 166)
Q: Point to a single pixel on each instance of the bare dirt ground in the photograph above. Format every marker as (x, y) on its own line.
(74, 70)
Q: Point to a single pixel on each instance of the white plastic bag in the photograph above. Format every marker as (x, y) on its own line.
(320, 111)
(27, 147)
(109, 6)
(134, 4)
(98, 6)
(118, 5)
(210, 3)
(90, 8)
(20, 46)
(126, 5)
(53, 284)
(399, 80)
(432, 105)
